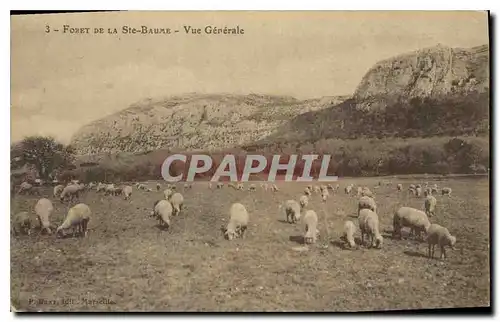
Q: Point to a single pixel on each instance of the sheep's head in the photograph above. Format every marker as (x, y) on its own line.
(352, 243)
(230, 234)
(379, 240)
(60, 231)
(453, 241)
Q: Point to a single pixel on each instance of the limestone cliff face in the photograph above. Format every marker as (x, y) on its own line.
(192, 122)
(436, 72)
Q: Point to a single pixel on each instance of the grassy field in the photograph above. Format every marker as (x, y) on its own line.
(127, 264)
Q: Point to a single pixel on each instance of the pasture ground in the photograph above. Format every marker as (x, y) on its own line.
(127, 264)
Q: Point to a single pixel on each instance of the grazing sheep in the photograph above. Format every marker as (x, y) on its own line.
(348, 189)
(239, 186)
(337, 187)
(359, 192)
(75, 181)
(311, 224)
(329, 186)
(72, 192)
(158, 187)
(413, 218)
(307, 191)
(24, 187)
(412, 191)
(78, 218)
(439, 235)
(109, 189)
(367, 192)
(317, 189)
(400, 187)
(412, 186)
(176, 200)
(162, 210)
(127, 192)
(418, 192)
(57, 190)
(310, 187)
(141, 187)
(366, 202)
(369, 225)
(102, 187)
(293, 209)
(167, 193)
(252, 187)
(418, 186)
(324, 195)
(43, 210)
(348, 236)
(446, 191)
(238, 221)
(220, 185)
(434, 189)
(21, 223)
(430, 205)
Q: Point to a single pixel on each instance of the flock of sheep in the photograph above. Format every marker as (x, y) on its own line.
(171, 205)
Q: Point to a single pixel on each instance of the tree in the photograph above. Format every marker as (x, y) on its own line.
(46, 154)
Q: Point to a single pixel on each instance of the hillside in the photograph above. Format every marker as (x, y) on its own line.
(192, 122)
(436, 91)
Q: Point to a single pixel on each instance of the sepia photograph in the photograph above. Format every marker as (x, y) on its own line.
(250, 161)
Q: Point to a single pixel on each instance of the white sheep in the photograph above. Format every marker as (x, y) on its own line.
(238, 221)
(127, 192)
(240, 186)
(158, 187)
(78, 218)
(100, 187)
(359, 191)
(24, 187)
(307, 191)
(142, 187)
(43, 210)
(177, 201)
(324, 195)
(162, 210)
(418, 191)
(366, 202)
(348, 235)
(91, 185)
(167, 193)
(412, 191)
(413, 218)
(220, 185)
(316, 189)
(439, 235)
(252, 187)
(369, 225)
(21, 223)
(412, 186)
(293, 209)
(366, 192)
(329, 186)
(71, 191)
(57, 190)
(400, 187)
(310, 220)
(446, 191)
(430, 205)
(348, 189)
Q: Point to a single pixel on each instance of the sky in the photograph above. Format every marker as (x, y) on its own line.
(62, 81)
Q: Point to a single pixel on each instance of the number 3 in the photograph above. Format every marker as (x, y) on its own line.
(47, 29)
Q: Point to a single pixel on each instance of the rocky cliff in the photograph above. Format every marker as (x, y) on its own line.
(436, 72)
(192, 122)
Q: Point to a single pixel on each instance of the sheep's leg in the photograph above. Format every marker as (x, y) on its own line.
(429, 251)
(443, 252)
(362, 238)
(243, 229)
